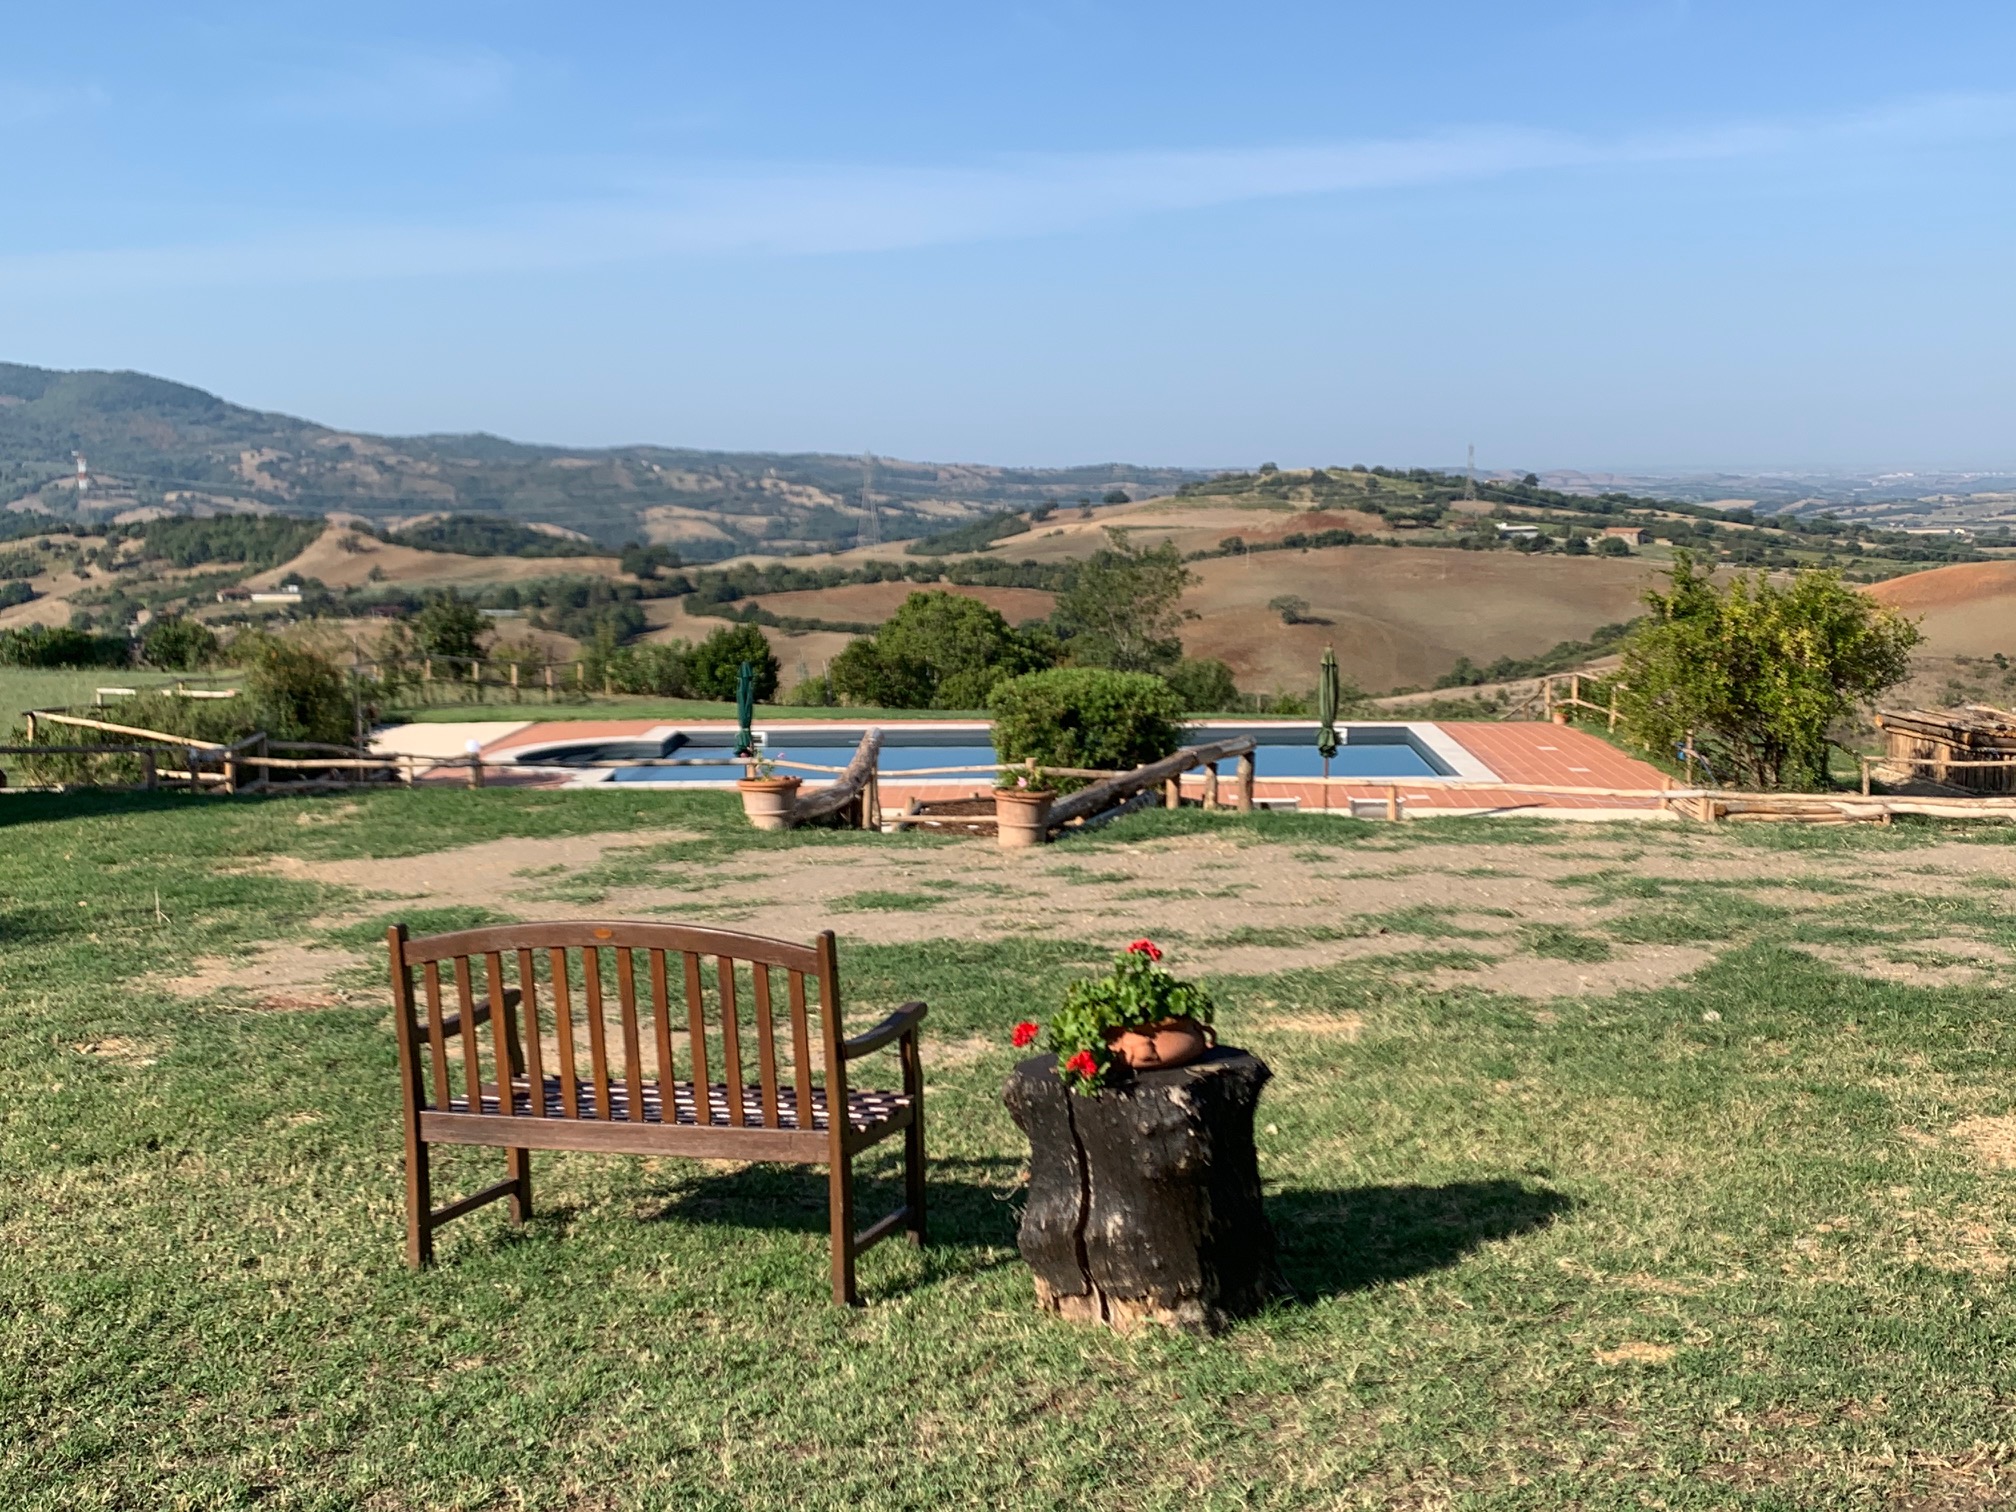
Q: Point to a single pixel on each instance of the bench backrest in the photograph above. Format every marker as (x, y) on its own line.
(525, 998)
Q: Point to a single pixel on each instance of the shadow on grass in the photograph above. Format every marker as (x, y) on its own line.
(19, 809)
(1354, 1238)
(1332, 1241)
(978, 1210)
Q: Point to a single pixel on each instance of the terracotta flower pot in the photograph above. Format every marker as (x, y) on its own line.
(768, 801)
(1157, 1047)
(1021, 817)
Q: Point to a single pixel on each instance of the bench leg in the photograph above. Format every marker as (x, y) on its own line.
(419, 1204)
(840, 1212)
(913, 1138)
(518, 1164)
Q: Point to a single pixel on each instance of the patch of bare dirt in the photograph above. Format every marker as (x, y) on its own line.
(1993, 1140)
(115, 1047)
(476, 875)
(1640, 970)
(287, 978)
(1636, 1353)
(1941, 961)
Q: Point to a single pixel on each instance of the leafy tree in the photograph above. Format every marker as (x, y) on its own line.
(1612, 546)
(938, 651)
(42, 646)
(712, 666)
(450, 625)
(659, 667)
(489, 535)
(1757, 673)
(293, 693)
(15, 592)
(179, 645)
(1292, 608)
(1116, 496)
(1203, 685)
(255, 540)
(975, 535)
(647, 561)
(1124, 608)
(811, 693)
(1085, 717)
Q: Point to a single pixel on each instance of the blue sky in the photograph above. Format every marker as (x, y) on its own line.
(1634, 235)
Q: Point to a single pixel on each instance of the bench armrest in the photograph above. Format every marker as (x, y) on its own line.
(452, 1023)
(903, 1021)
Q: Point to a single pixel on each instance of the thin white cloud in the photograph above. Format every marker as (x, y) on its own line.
(799, 211)
(398, 89)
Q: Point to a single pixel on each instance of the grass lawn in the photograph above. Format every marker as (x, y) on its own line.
(1740, 1239)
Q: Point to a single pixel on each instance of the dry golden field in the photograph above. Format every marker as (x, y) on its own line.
(1400, 617)
(1964, 610)
(328, 561)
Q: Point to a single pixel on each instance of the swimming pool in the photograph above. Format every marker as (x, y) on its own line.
(1283, 750)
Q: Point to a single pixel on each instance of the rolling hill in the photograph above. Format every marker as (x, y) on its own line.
(1965, 610)
(157, 446)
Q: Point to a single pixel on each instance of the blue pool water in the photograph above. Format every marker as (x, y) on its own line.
(1280, 753)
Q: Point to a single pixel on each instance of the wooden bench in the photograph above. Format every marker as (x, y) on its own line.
(541, 987)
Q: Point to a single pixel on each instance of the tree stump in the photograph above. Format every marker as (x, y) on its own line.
(1144, 1201)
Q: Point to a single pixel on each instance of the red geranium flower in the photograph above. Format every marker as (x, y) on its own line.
(1082, 1065)
(1025, 1032)
(1146, 947)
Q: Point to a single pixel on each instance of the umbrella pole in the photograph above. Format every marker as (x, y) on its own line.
(1326, 784)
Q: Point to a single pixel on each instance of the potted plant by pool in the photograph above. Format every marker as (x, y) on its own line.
(767, 798)
(1021, 809)
(1139, 1015)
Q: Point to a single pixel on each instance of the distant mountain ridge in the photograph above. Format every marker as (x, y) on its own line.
(155, 446)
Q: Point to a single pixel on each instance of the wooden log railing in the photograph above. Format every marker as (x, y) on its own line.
(150, 771)
(1088, 802)
(855, 790)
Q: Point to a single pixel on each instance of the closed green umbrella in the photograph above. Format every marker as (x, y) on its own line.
(745, 710)
(1328, 695)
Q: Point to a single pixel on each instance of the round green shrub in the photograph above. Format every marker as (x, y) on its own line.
(179, 645)
(1086, 717)
(713, 665)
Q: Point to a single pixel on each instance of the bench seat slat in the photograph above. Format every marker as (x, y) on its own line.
(867, 1108)
(696, 1142)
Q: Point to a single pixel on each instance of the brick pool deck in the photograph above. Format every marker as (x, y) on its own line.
(1542, 755)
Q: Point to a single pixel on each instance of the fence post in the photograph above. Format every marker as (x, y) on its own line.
(1613, 708)
(1246, 784)
(1210, 784)
(1864, 760)
(475, 750)
(1172, 792)
(148, 776)
(549, 682)
(1392, 803)
(31, 727)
